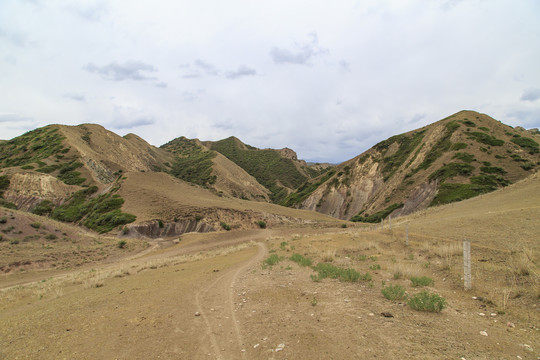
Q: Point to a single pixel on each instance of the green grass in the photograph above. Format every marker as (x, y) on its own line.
(306, 189)
(449, 193)
(407, 144)
(492, 181)
(261, 224)
(100, 213)
(421, 281)
(272, 260)
(424, 301)
(451, 170)
(527, 143)
(326, 270)
(195, 168)
(301, 260)
(267, 166)
(465, 157)
(485, 138)
(394, 292)
(492, 170)
(378, 216)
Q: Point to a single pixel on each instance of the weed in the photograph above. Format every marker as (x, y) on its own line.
(14, 241)
(160, 224)
(373, 258)
(421, 281)
(225, 226)
(362, 257)
(289, 267)
(300, 260)
(424, 301)
(326, 270)
(51, 237)
(283, 245)
(394, 292)
(3, 220)
(397, 275)
(314, 301)
(261, 224)
(344, 226)
(375, 267)
(35, 225)
(125, 230)
(122, 244)
(272, 260)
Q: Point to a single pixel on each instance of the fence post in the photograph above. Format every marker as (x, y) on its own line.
(467, 264)
(407, 235)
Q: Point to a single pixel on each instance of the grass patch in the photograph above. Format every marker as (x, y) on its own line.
(378, 216)
(527, 144)
(465, 157)
(449, 193)
(301, 260)
(326, 270)
(272, 260)
(439, 148)
(421, 281)
(425, 301)
(492, 170)
(451, 170)
(306, 189)
(394, 292)
(485, 138)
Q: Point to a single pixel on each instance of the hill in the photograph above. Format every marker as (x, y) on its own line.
(279, 171)
(456, 158)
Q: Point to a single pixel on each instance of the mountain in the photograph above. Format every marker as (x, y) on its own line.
(90, 176)
(279, 171)
(456, 158)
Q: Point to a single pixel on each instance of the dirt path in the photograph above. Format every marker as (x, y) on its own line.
(217, 307)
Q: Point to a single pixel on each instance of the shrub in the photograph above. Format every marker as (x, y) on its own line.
(421, 281)
(3, 220)
(261, 224)
(51, 237)
(125, 230)
(35, 225)
(394, 292)
(300, 260)
(343, 226)
(225, 226)
(527, 143)
(424, 301)
(375, 267)
(43, 208)
(272, 260)
(326, 270)
(485, 138)
(122, 244)
(527, 166)
(160, 224)
(492, 170)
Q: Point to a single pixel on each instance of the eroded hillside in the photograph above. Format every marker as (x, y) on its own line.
(459, 157)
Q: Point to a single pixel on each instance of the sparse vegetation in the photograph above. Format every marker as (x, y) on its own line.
(326, 270)
(122, 244)
(421, 281)
(485, 138)
(301, 260)
(394, 292)
(449, 193)
(272, 260)
(451, 170)
(425, 301)
(378, 216)
(225, 226)
(527, 143)
(261, 224)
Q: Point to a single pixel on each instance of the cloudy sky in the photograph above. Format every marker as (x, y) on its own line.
(328, 79)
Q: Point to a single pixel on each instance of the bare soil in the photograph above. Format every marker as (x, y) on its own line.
(210, 296)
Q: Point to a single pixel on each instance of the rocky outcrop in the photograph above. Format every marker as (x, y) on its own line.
(153, 229)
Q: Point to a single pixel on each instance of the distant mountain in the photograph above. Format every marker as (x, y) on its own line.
(456, 158)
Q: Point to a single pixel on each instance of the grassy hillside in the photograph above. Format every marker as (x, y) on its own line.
(462, 156)
(276, 172)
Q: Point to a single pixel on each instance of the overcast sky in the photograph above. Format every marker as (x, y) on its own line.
(328, 79)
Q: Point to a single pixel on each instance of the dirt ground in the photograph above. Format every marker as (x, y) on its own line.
(213, 296)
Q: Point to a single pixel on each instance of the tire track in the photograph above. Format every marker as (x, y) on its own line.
(216, 305)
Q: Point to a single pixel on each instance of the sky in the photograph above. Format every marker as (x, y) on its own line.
(328, 79)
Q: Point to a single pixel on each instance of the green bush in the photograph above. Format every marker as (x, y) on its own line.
(300, 260)
(465, 157)
(451, 170)
(492, 170)
(225, 226)
(51, 237)
(378, 216)
(262, 224)
(272, 260)
(424, 301)
(326, 270)
(35, 225)
(449, 193)
(43, 208)
(527, 166)
(160, 224)
(122, 244)
(527, 143)
(421, 281)
(485, 138)
(3, 219)
(394, 292)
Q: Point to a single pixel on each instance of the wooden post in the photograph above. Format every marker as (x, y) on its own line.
(467, 264)
(407, 235)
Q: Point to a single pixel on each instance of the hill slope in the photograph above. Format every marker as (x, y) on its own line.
(279, 171)
(456, 158)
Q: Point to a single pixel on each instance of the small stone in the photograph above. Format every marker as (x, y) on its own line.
(510, 324)
(387, 314)
(243, 350)
(527, 347)
(346, 300)
(371, 314)
(280, 347)
(483, 333)
(256, 346)
(481, 314)
(493, 314)
(197, 314)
